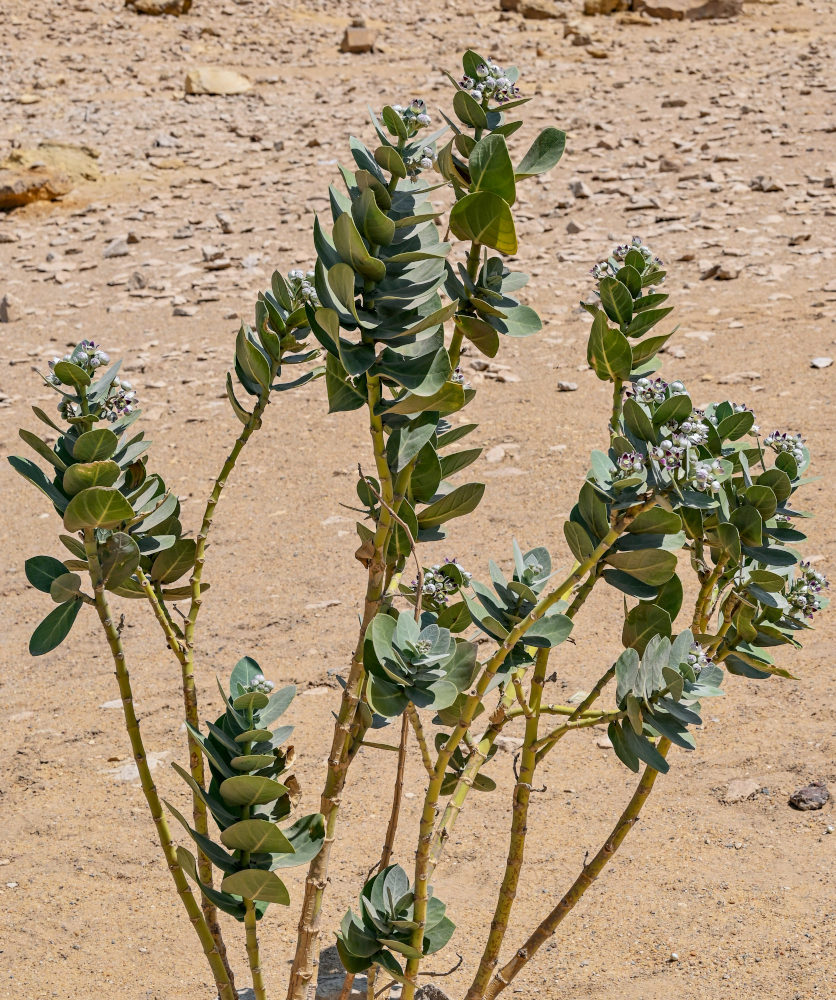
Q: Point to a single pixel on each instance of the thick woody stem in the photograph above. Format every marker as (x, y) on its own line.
(348, 731)
(519, 826)
(149, 790)
(420, 736)
(252, 950)
(590, 872)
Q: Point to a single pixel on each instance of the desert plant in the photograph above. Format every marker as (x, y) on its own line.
(677, 487)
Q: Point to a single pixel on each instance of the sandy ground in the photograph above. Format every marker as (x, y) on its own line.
(743, 894)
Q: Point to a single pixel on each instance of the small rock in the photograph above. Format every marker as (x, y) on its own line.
(132, 237)
(669, 165)
(767, 184)
(573, 227)
(184, 232)
(689, 10)
(821, 362)
(18, 188)
(603, 743)
(116, 703)
(720, 272)
(591, 7)
(540, 10)
(9, 309)
(812, 796)
(8, 237)
(740, 790)
(357, 39)
(495, 454)
(225, 221)
(116, 248)
(129, 771)
(508, 744)
(431, 992)
(159, 6)
(567, 386)
(219, 82)
(580, 189)
(185, 310)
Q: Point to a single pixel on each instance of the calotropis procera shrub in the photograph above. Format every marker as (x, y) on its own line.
(384, 316)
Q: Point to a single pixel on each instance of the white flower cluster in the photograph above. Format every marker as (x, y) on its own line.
(783, 441)
(698, 659)
(490, 83)
(439, 584)
(804, 594)
(258, 683)
(301, 287)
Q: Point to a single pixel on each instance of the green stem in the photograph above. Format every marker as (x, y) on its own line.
(253, 955)
(149, 790)
(519, 820)
(458, 332)
(474, 765)
(348, 731)
(420, 736)
(548, 926)
(617, 404)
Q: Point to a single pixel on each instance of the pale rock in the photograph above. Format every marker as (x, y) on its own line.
(18, 188)
(495, 454)
(603, 743)
(508, 744)
(669, 165)
(540, 10)
(159, 6)
(817, 362)
(580, 189)
(567, 386)
(739, 790)
(357, 39)
(766, 184)
(215, 81)
(689, 10)
(591, 7)
(720, 272)
(116, 248)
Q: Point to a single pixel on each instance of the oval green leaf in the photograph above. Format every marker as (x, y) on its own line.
(250, 790)
(258, 836)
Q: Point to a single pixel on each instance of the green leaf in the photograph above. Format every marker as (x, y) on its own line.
(762, 499)
(651, 566)
(491, 168)
(252, 359)
(257, 884)
(729, 541)
(71, 374)
(97, 507)
(277, 705)
(451, 464)
(83, 475)
(656, 521)
(354, 252)
(42, 570)
(484, 217)
(449, 398)
(250, 790)
(35, 475)
(42, 448)
(95, 445)
(778, 481)
(644, 750)
(608, 351)
(637, 421)
(619, 745)
(736, 425)
(519, 321)
(405, 442)
(374, 224)
(254, 700)
(642, 623)
(390, 160)
(458, 502)
(258, 836)
(481, 334)
(243, 415)
(172, 563)
(423, 376)
(543, 154)
(616, 300)
(65, 587)
(646, 349)
(223, 900)
(578, 540)
(673, 410)
(646, 319)
(342, 395)
(54, 629)
(469, 111)
(549, 631)
(119, 558)
(394, 122)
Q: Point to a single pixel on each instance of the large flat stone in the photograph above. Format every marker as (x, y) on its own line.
(689, 10)
(215, 81)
